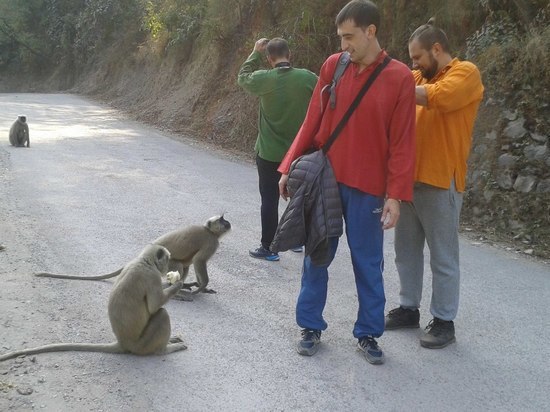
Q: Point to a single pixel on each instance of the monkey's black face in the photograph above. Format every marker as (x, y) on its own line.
(225, 223)
(23, 118)
(218, 225)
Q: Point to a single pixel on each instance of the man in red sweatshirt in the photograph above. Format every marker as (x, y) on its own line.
(373, 162)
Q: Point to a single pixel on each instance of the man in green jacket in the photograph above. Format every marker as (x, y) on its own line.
(284, 92)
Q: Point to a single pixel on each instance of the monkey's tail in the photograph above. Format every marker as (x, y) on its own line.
(58, 276)
(61, 347)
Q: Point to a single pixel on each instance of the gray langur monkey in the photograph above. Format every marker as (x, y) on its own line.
(19, 132)
(139, 321)
(194, 245)
(188, 245)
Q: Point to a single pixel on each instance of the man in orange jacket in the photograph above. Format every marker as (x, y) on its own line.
(448, 94)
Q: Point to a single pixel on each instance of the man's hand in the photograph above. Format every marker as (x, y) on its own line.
(261, 45)
(283, 190)
(390, 213)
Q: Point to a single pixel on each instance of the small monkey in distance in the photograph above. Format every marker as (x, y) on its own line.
(19, 132)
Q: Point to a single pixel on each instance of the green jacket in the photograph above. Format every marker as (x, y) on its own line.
(284, 97)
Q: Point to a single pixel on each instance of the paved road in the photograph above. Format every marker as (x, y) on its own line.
(95, 187)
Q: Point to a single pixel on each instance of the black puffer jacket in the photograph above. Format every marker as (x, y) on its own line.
(314, 212)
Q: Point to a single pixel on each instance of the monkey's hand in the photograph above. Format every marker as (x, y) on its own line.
(173, 277)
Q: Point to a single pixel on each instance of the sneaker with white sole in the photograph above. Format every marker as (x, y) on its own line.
(309, 344)
(371, 350)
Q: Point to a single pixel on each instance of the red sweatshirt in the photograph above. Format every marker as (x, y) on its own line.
(375, 152)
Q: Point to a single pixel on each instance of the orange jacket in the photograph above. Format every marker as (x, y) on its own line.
(444, 127)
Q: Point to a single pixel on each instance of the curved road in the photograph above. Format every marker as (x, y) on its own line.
(95, 187)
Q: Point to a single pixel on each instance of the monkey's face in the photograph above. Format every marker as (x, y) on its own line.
(158, 256)
(218, 225)
(22, 119)
(163, 260)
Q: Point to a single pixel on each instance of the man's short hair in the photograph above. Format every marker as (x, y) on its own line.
(277, 48)
(362, 12)
(428, 34)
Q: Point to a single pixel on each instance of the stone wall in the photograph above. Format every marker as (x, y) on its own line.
(508, 195)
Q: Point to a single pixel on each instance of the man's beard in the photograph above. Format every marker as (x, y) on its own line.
(431, 71)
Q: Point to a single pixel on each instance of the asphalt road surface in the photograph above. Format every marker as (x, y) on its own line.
(95, 187)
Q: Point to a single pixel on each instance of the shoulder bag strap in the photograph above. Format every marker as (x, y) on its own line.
(354, 104)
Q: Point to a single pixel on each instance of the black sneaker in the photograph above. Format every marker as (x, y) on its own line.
(373, 353)
(309, 345)
(439, 333)
(400, 318)
(298, 249)
(263, 253)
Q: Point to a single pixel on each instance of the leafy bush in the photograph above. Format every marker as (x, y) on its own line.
(515, 58)
(178, 20)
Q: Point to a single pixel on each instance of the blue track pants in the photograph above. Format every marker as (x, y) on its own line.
(365, 237)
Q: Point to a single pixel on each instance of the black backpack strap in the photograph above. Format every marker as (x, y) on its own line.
(341, 66)
(355, 103)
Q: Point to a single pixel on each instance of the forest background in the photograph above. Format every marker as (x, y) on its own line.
(173, 64)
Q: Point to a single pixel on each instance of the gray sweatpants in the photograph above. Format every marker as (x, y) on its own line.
(431, 218)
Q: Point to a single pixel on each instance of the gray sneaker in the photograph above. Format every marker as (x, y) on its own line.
(439, 333)
(373, 353)
(400, 318)
(309, 344)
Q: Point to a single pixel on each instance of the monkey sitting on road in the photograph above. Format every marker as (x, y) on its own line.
(19, 132)
(140, 323)
(188, 245)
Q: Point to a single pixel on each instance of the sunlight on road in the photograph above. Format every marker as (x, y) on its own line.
(59, 122)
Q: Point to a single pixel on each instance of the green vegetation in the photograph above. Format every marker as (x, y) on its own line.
(39, 36)
(175, 21)
(42, 37)
(514, 54)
